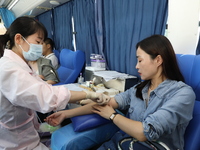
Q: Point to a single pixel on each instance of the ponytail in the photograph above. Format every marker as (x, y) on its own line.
(25, 26)
(3, 42)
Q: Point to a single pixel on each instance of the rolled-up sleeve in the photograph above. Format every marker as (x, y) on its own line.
(176, 111)
(124, 99)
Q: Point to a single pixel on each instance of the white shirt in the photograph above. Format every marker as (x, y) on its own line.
(21, 94)
(54, 60)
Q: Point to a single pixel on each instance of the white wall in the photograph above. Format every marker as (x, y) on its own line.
(183, 19)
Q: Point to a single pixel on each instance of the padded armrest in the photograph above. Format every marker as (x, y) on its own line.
(85, 122)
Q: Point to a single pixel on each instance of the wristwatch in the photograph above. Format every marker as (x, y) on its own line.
(113, 116)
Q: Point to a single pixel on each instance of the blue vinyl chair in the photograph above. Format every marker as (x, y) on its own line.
(190, 68)
(71, 65)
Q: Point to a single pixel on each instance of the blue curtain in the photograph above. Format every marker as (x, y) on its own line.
(99, 27)
(7, 16)
(125, 23)
(47, 19)
(109, 27)
(63, 26)
(84, 20)
(58, 24)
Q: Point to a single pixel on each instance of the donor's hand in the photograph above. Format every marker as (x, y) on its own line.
(55, 119)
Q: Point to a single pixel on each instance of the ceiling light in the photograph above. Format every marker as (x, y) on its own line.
(54, 3)
(44, 8)
(13, 4)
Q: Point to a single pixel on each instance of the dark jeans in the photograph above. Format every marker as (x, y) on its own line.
(113, 143)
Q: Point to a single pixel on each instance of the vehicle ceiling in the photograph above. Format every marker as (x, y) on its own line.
(30, 7)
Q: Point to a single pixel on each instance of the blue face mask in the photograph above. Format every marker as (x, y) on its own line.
(35, 51)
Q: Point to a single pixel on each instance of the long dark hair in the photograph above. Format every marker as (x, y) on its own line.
(25, 26)
(159, 45)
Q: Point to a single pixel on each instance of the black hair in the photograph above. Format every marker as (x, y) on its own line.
(159, 45)
(49, 41)
(25, 26)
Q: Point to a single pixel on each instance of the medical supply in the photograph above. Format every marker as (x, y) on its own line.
(80, 79)
(97, 61)
(44, 127)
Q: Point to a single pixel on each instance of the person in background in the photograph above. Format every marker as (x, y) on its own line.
(159, 108)
(48, 53)
(45, 70)
(22, 92)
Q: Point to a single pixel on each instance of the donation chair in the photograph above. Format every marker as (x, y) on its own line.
(190, 69)
(71, 65)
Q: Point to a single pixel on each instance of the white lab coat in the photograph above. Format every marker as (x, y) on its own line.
(21, 94)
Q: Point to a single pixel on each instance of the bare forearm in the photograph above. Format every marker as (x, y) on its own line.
(51, 82)
(77, 95)
(131, 127)
(82, 110)
(113, 103)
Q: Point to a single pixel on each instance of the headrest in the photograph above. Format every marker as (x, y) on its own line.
(72, 59)
(190, 69)
(67, 58)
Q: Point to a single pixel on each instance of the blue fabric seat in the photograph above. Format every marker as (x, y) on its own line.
(66, 138)
(190, 68)
(71, 65)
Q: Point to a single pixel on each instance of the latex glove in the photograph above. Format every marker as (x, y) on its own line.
(86, 101)
(100, 98)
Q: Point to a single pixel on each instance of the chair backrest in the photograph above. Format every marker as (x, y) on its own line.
(192, 134)
(190, 68)
(71, 65)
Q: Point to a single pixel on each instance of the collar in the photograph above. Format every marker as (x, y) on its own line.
(49, 55)
(162, 89)
(17, 59)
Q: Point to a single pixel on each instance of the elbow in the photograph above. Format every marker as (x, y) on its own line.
(142, 139)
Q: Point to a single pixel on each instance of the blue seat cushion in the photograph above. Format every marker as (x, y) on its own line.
(66, 138)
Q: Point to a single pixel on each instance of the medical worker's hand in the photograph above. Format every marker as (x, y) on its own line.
(86, 101)
(97, 97)
(55, 119)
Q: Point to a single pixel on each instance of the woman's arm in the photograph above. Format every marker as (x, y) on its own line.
(77, 95)
(131, 127)
(51, 82)
(57, 118)
(100, 98)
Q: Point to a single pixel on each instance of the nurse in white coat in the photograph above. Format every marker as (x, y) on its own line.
(22, 92)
